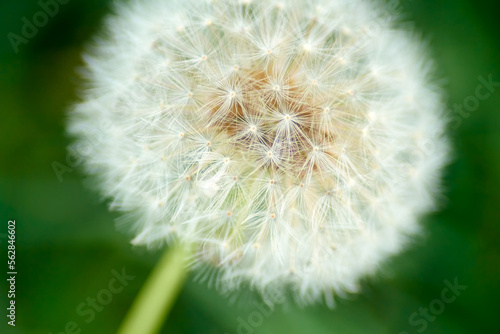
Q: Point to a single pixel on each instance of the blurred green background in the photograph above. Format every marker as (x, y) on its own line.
(68, 246)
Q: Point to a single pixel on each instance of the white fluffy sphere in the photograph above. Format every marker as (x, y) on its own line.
(294, 143)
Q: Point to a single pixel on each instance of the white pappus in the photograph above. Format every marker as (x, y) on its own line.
(295, 143)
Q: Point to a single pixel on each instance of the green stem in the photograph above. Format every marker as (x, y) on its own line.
(157, 296)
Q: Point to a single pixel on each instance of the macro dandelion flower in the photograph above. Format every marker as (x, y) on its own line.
(294, 143)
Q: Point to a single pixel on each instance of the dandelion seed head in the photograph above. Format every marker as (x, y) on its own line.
(268, 134)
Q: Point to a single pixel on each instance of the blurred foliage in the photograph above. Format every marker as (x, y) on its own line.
(67, 243)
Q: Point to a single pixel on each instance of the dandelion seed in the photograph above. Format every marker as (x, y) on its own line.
(300, 125)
